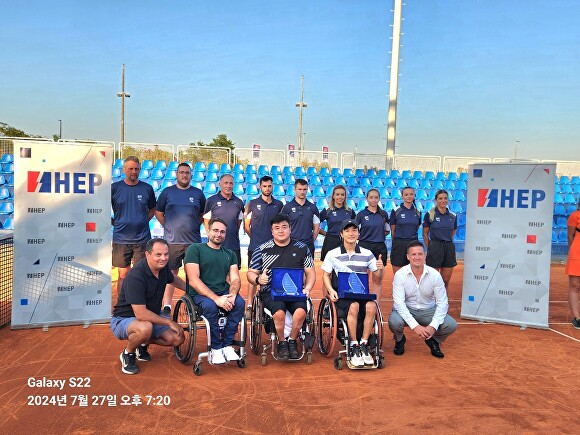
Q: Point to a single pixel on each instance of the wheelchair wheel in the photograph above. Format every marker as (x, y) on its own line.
(379, 325)
(184, 315)
(256, 326)
(197, 368)
(338, 363)
(326, 323)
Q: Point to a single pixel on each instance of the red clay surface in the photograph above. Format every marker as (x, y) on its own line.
(494, 379)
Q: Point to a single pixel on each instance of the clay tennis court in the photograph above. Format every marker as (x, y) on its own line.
(494, 379)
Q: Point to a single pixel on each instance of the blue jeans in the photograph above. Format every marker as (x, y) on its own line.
(210, 311)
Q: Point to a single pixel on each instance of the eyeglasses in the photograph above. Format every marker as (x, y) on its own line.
(216, 231)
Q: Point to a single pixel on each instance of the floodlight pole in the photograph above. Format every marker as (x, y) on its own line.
(394, 85)
(123, 95)
(516, 150)
(60, 129)
(301, 105)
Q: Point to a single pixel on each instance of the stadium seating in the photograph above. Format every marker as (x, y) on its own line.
(321, 203)
(172, 166)
(300, 172)
(238, 189)
(252, 190)
(452, 176)
(315, 180)
(277, 179)
(147, 164)
(4, 193)
(250, 169)
(212, 167)
(463, 176)
(8, 224)
(144, 174)
(238, 177)
(318, 192)
(429, 175)
(7, 207)
(225, 169)
(118, 163)
(211, 176)
(278, 191)
(199, 167)
(210, 188)
(197, 176)
(170, 175)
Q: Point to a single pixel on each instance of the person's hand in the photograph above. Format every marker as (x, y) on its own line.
(430, 330)
(226, 302)
(333, 295)
(422, 332)
(306, 292)
(263, 277)
(380, 265)
(176, 327)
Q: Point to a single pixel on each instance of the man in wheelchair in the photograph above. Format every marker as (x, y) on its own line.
(349, 257)
(285, 252)
(213, 280)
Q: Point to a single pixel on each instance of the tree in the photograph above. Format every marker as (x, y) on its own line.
(222, 141)
(9, 131)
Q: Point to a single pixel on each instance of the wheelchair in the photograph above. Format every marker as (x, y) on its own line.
(261, 319)
(331, 329)
(190, 317)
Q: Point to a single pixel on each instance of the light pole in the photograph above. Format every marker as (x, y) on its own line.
(516, 150)
(123, 95)
(301, 104)
(60, 129)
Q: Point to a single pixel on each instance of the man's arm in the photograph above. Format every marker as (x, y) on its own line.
(441, 301)
(310, 280)
(327, 284)
(247, 220)
(179, 283)
(160, 217)
(144, 315)
(235, 281)
(151, 213)
(399, 301)
(315, 228)
(192, 271)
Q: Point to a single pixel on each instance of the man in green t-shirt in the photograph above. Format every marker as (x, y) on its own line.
(213, 281)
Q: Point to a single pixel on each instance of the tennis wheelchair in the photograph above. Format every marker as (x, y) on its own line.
(192, 320)
(332, 329)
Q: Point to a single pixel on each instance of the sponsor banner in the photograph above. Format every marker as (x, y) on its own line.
(256, 151)
(508, 243)
(324, 153)
(62, 234)
(290, 150)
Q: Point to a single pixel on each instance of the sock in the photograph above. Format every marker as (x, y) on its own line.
(353, 342)
(364, 341)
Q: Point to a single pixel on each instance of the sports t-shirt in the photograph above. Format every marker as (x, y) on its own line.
(214, 266)
(407, 222)
(339, 260)
(442, 225)
(231, 211)
(302, 220)
(260, 213)
(131, 205)
(372, 225)
(334, 219)
(182, 209)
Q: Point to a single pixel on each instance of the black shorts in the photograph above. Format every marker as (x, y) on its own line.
(274, 306)
(124, 253)
(343, 305)
(176, 256)
(399, 252)
(330, 242)
(377, 248)
(441, 254)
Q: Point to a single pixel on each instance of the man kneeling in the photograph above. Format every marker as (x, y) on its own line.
(349, 257)
(135, 317)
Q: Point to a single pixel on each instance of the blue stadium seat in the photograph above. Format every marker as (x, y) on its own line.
(315, 180)
(461, 184)
(263, 170)
(576, 188)
(118, 163)
(389, 205)
(557, 188)
(199, 167)
(461, 219)
(287, 170)
(413, 183)
(429, 205)
(463, 176)
(147, 164)
(238, 177)
(340, 180)
(170, 174)
(563, 236)
(395, 174)
(155, 184)
(211, 176)
(396, 193)
(440, 176)
(117, 173)
(166, 183)
(560, 210)
(277, 179)
(8, 224)
(275, 170)
(212, 167)
(309, 193)
(251, 178)
(352, 182)
(238, 189)
(429, 175)
(238, 168)
(318, 192)
(324, 171)
(357, 192)
(566, 188)
(252, 190)
(569, 199)
(575, 179)
(347, 173)
(554, 236)
(425, 184)
(250, 169)
(361, 205)
(438, 184)
(290, 190)
(388, 182)
(383, 173)
(460, 234)
(172, 166)
(365, 183)
(459, 195)
(421, 195)
(418, 175)
(406, 174)
(197, 176)
(450, 195)
(452, 176)
(321, 203)
(144, 174)
(327, 180)
(560, 222)
(6, 207)
(570, 208)
(289, 179)
(377, 183)
(564, 179)
(156, 174)
(372, 173)
(456, 207)
(350, 202)
(7, 168)
(335, 172)
(299, 172)
(4, 193)
(311, 171)
(384, 193)
(278, 191)
(359, 172)
(225, 168)
(401, 182)
(196, 184)
(449, 185)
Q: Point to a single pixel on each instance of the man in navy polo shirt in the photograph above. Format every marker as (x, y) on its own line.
(227, 206)
(180, 211)
(136, 315)
(304, 216)
(257, 216)
(133, 203)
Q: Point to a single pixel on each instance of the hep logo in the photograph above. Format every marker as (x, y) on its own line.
(63, 182)
(510, 198)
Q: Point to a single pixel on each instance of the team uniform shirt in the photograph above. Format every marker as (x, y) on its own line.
(429, 292)
(260, 213)
(339, 260)
(442, 226)
(182, 209)
(334, 219)
(141, 287)
(372, 225)
(407, 222)
(131, 205)
(214, 267)
(302, 219)
(231, 211)
(295, 255)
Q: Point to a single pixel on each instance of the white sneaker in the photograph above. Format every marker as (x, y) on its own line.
(356, 358)
(366, 355)
(216, 356)
(230, 354)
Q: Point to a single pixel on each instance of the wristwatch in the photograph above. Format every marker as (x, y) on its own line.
(257, 279)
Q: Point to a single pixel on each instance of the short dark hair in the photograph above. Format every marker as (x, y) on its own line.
(279, 218)
(265, 179)
(415, 243)
(151, 242)
(300, 181)
(132, 159)
(184, 164)
(216, 219)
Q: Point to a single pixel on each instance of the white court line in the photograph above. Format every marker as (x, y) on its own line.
(565, 335)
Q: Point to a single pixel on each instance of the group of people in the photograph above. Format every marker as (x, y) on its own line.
(281, 235)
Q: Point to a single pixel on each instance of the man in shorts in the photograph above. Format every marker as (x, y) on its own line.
(136, 315)
(282, 251)
(133, 203)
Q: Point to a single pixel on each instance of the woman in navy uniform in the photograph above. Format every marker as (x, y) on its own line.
(405, 222)
(337, 212)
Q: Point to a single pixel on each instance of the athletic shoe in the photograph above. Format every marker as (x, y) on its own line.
(356, 358)
(230, 354)
(434, 346)
(216, 356)
(366, 354)
(400, 346)
(576, 323)
(167, 311)
(293, 349)
(283, 352)
(142, 353)
(128, 364)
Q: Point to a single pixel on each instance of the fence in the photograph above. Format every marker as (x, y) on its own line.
(195, 153)
(147, 151)
(6, 263)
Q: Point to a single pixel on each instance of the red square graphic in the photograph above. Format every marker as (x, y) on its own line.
(531, 238)
(91, 227)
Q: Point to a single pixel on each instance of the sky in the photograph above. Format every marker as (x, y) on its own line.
(475, 77)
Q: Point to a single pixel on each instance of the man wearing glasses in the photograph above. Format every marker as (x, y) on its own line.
(180, 210)
(213, 281)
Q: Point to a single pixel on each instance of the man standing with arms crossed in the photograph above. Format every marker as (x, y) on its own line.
(180, 210)
(133, 203)
(257, 216)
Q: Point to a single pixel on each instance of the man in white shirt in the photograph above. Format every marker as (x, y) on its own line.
(420, 302)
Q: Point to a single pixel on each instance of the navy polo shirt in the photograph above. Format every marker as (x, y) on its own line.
(182, 209)
(140, 287)
(407, 222)
(131, 205)
(302, 219)
(260, 213)
(231, 211)
(442, 226)
(334, 219)
(372, 225)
